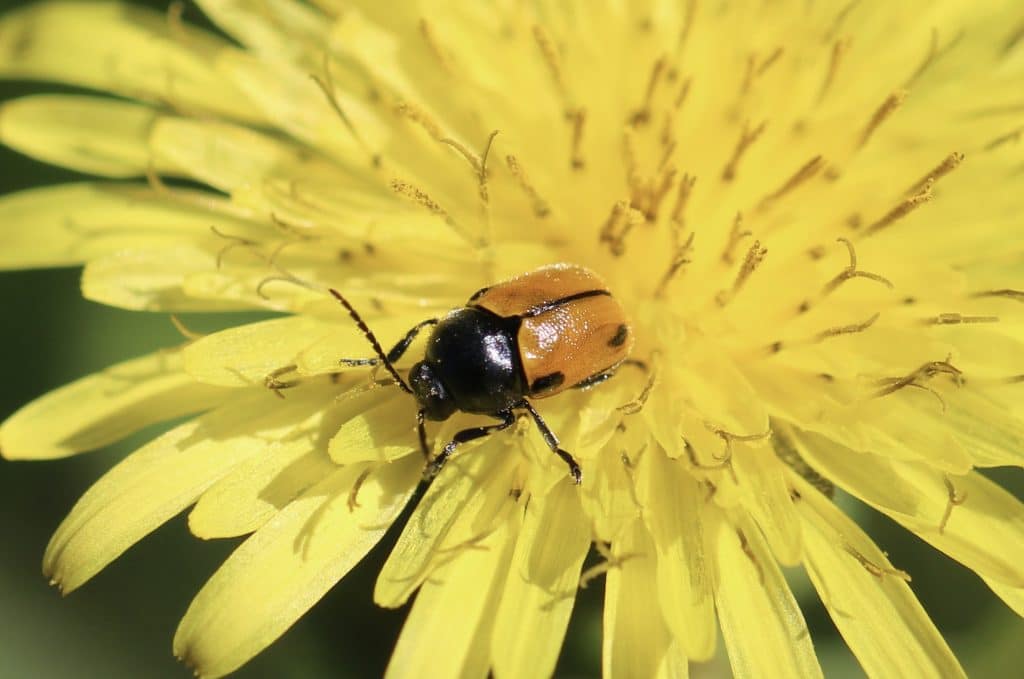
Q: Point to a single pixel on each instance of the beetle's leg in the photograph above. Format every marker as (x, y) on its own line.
(552, 441)
(421, 427)
(434, 466)
(396, 351)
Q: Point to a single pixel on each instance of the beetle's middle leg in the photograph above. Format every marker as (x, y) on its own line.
(552, 441)
(434, 466)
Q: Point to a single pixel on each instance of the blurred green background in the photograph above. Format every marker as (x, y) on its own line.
(121, 623)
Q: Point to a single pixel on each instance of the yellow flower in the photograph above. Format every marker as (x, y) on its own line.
(812, 214)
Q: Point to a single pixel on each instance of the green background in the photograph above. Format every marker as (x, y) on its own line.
(121, 623)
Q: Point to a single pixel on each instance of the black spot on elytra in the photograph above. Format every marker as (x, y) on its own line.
(620, 337)
(547, 382)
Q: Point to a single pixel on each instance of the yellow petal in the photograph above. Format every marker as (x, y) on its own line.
(1011, 596)
(247, 354)
(541, 586)
(636, 642)
(151, 280)
(766, 496)
(751, 589)
(72, 223)
(162, 478)
(463, 504)
(276, 575)
(876, 612)
(105, 407)
(674, 512)
(451, 621)
(105, 137)
(609, 493)
(255, 490)
(384, 429)
(61, 41)
(984, 531)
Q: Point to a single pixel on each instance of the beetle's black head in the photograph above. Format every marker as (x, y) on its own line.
(436, 401)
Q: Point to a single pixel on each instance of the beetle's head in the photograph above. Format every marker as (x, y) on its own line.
(436, 401)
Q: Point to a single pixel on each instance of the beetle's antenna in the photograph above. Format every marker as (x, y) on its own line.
(372, 339)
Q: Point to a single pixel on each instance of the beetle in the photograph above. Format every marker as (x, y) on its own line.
(529, 337)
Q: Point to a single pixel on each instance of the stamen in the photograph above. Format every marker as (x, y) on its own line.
(788, 454)
(1012, 136)
(283, 277)
(680, 258)
(551, 58)
(620, 222)
(905, 207)
(1016, 295)
(873, 568)
(839, 49)
(755, 255)
(847, 329)
(682, 198)
(851, 272)
(540, 206)
(837, 23)
(950, 163)
(927, 371)
(684, 30)
(483, 174)
(954, 499)
(276, 385)
(421, 198)
(175, 25)
(417, 115)
(233, 242)
(747, 137)
(442, 55)
(609, 563)
(958, 319)
(735, 236)
(353, 493)
(643, 115)
(637, 404)
(1014, 39)
(729, 438)
(934, 53)
(807, 171)
(745, 546)
(891, 103)
(578, 118)
(186, 332)
(326, 85)
(770, 61)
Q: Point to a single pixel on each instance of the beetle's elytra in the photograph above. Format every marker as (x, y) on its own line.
(532, 336)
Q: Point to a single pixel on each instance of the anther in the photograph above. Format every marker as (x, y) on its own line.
(890, 385)
(888, 107)
(958, 319)
(770, 61)
(540, 206)
(755, 255)
(1008, 293)
(417, 115)
(637, 404)
(839, 49)
(353, 493)
(276, 385)
(551, 57)
(949, 163)
(1014, 39)
(680, 258)
(643, 115)
(577, 118)
(851, 329)
(837, 23)
(953, 499)
(807, 171)
(736, 234)
(421, 198)
(747, 137)
(905, 207)
(873, 568)
(684, 30)
(682, 198)
(622, 219)
(745, 546)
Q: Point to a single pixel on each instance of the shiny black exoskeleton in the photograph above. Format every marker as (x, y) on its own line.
(471, 364)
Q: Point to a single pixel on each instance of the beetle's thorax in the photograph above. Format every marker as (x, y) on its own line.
(473, 354)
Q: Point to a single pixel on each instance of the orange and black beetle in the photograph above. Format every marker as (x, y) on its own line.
(535, 335)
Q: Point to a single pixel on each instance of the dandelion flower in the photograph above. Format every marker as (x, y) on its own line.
(812, 214)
